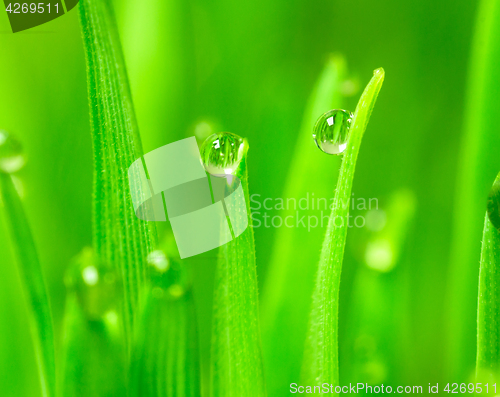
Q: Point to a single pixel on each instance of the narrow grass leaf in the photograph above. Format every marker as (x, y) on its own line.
(478, 166)
(286, 298)
(94, 354)
(236, 360)
(166, 354)
(120, 238)
(35, 290)
(488, 316)
(321, 356)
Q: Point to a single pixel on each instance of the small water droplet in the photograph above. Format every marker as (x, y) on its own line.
(222, 153)
(169, 277)
(90, 275)
(158, 260)
(494, 204)
(11, 153)
(97, 286)
(332, 130)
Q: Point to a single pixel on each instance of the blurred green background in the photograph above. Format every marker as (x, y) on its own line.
(248, 68)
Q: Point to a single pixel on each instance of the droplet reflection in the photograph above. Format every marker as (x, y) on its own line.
(222, 153)
(97, 285)
(332, 131)
(169, 277)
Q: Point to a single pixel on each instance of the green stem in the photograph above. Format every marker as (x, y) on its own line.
(236, 360)
(321, 355)
(286, 298)
(478, 165)
(488, 316)
(166, 363)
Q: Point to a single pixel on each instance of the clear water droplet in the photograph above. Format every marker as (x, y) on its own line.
(158, 260)
(332, 131)
(222, 153)
(494, 204)
(169, 277)
(11, 153)
(97, 286)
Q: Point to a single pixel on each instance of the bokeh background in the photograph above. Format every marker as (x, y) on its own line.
(248, 68)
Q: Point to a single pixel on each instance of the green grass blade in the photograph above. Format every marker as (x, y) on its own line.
(120, 238)
(488, 316)
(286, 297)
(94, 358)
(35, 290)
(321, 355)
(236, 360)
(479, 165)
(166, 356)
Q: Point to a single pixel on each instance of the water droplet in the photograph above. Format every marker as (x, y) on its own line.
(222, 153)
(169, 277)
(11, 153)
(90, 275)
(494, 204)
(97, 286)
(332, 130)
(159, 261)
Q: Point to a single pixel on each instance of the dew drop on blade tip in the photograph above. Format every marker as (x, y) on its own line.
(331, 131)
(222, 153)
(96, 284)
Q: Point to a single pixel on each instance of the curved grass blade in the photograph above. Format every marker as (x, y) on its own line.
(478, 166)
(35, 290)
(236, 360)
(488, 311)
(321, 355)
(166, 357)
(286, 298)
(120, 238)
